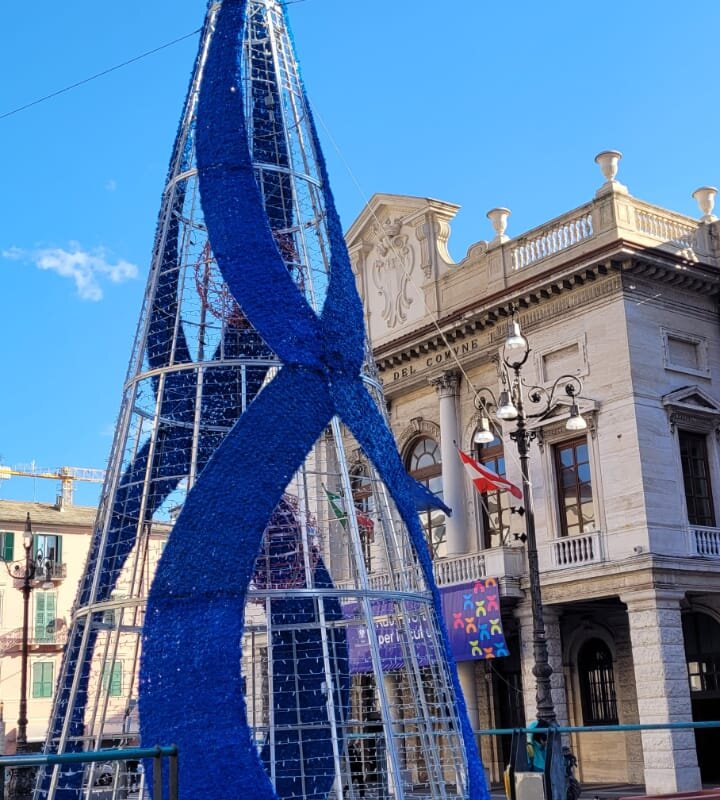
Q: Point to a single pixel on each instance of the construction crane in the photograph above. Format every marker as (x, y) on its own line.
(66, 475)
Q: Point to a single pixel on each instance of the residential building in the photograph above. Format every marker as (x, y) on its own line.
(623, 295)
(61, 536)
(61, 539)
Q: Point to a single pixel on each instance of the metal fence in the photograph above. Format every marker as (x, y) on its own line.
(101, 757)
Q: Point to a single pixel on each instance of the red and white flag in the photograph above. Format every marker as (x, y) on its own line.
(486, 480)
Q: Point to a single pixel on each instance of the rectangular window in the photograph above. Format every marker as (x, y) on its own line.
(574, 487)
(47, 546)
(494, 506)
(7, 545)
(696, 477)
(112, 679)
(42, 679)
(45, 614)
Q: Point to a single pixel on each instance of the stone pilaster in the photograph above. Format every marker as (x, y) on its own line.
(662, 690)
(551, 617)
(457, 538)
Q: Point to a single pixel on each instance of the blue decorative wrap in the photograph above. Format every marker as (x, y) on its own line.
(193, 693)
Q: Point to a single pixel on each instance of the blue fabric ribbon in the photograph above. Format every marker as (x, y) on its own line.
(237, 492)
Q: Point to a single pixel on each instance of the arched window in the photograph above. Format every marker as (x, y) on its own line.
(424, 464)
(597, 683)
(493, 507)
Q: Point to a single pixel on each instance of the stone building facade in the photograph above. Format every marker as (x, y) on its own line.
(623, 295)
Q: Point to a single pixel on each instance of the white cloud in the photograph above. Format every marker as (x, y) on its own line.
(87, 268)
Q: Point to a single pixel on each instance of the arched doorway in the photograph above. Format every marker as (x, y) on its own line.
(702, 652)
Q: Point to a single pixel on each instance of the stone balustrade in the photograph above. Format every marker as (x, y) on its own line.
(666, 227)
(561, 235)
(459, 569)
(705, 541)
(609, 217)
(498, 562)
(576, 551)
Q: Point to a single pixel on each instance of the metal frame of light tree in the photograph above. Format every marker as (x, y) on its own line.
(188, 303)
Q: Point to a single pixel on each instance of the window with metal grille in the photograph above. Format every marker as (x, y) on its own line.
(574, 487)
(597, 683)
(696, 477)
(702, 650)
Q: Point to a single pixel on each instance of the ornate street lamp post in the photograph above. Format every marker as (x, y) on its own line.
(510, 407)
(22, 778)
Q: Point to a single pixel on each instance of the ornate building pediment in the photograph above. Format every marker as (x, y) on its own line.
(692, 407)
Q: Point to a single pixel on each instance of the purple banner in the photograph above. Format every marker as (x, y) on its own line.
(472, 617)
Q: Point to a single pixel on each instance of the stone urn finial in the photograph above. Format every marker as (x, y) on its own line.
(499, 219)
(608, 162)
(705, 198)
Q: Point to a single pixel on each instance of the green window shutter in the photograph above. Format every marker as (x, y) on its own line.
(36, 680)
(39, 613)
(42, 680)
(45, 612)
(58, 555)
(8, 545)
(112, 679)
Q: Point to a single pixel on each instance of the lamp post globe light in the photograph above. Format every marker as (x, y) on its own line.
(22, 778)
(510, 406)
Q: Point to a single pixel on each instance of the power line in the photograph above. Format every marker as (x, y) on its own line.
(98, 75)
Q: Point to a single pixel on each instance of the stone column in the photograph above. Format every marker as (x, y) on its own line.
(473, 686)
(456, 527)
(662, 689)
(551, 616)
(468, 684)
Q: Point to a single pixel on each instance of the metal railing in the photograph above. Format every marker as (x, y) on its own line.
(592, 766)
(631, 726)
(157, 754)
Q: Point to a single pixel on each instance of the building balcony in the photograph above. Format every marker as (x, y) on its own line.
(704, 541)
(507, 564)
(569, 552)
(50, 572)
(49, 641)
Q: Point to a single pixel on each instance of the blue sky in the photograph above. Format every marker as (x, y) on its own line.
(480, 104)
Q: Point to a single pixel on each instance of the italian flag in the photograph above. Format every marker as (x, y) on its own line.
(485, 480)
(337, 503)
